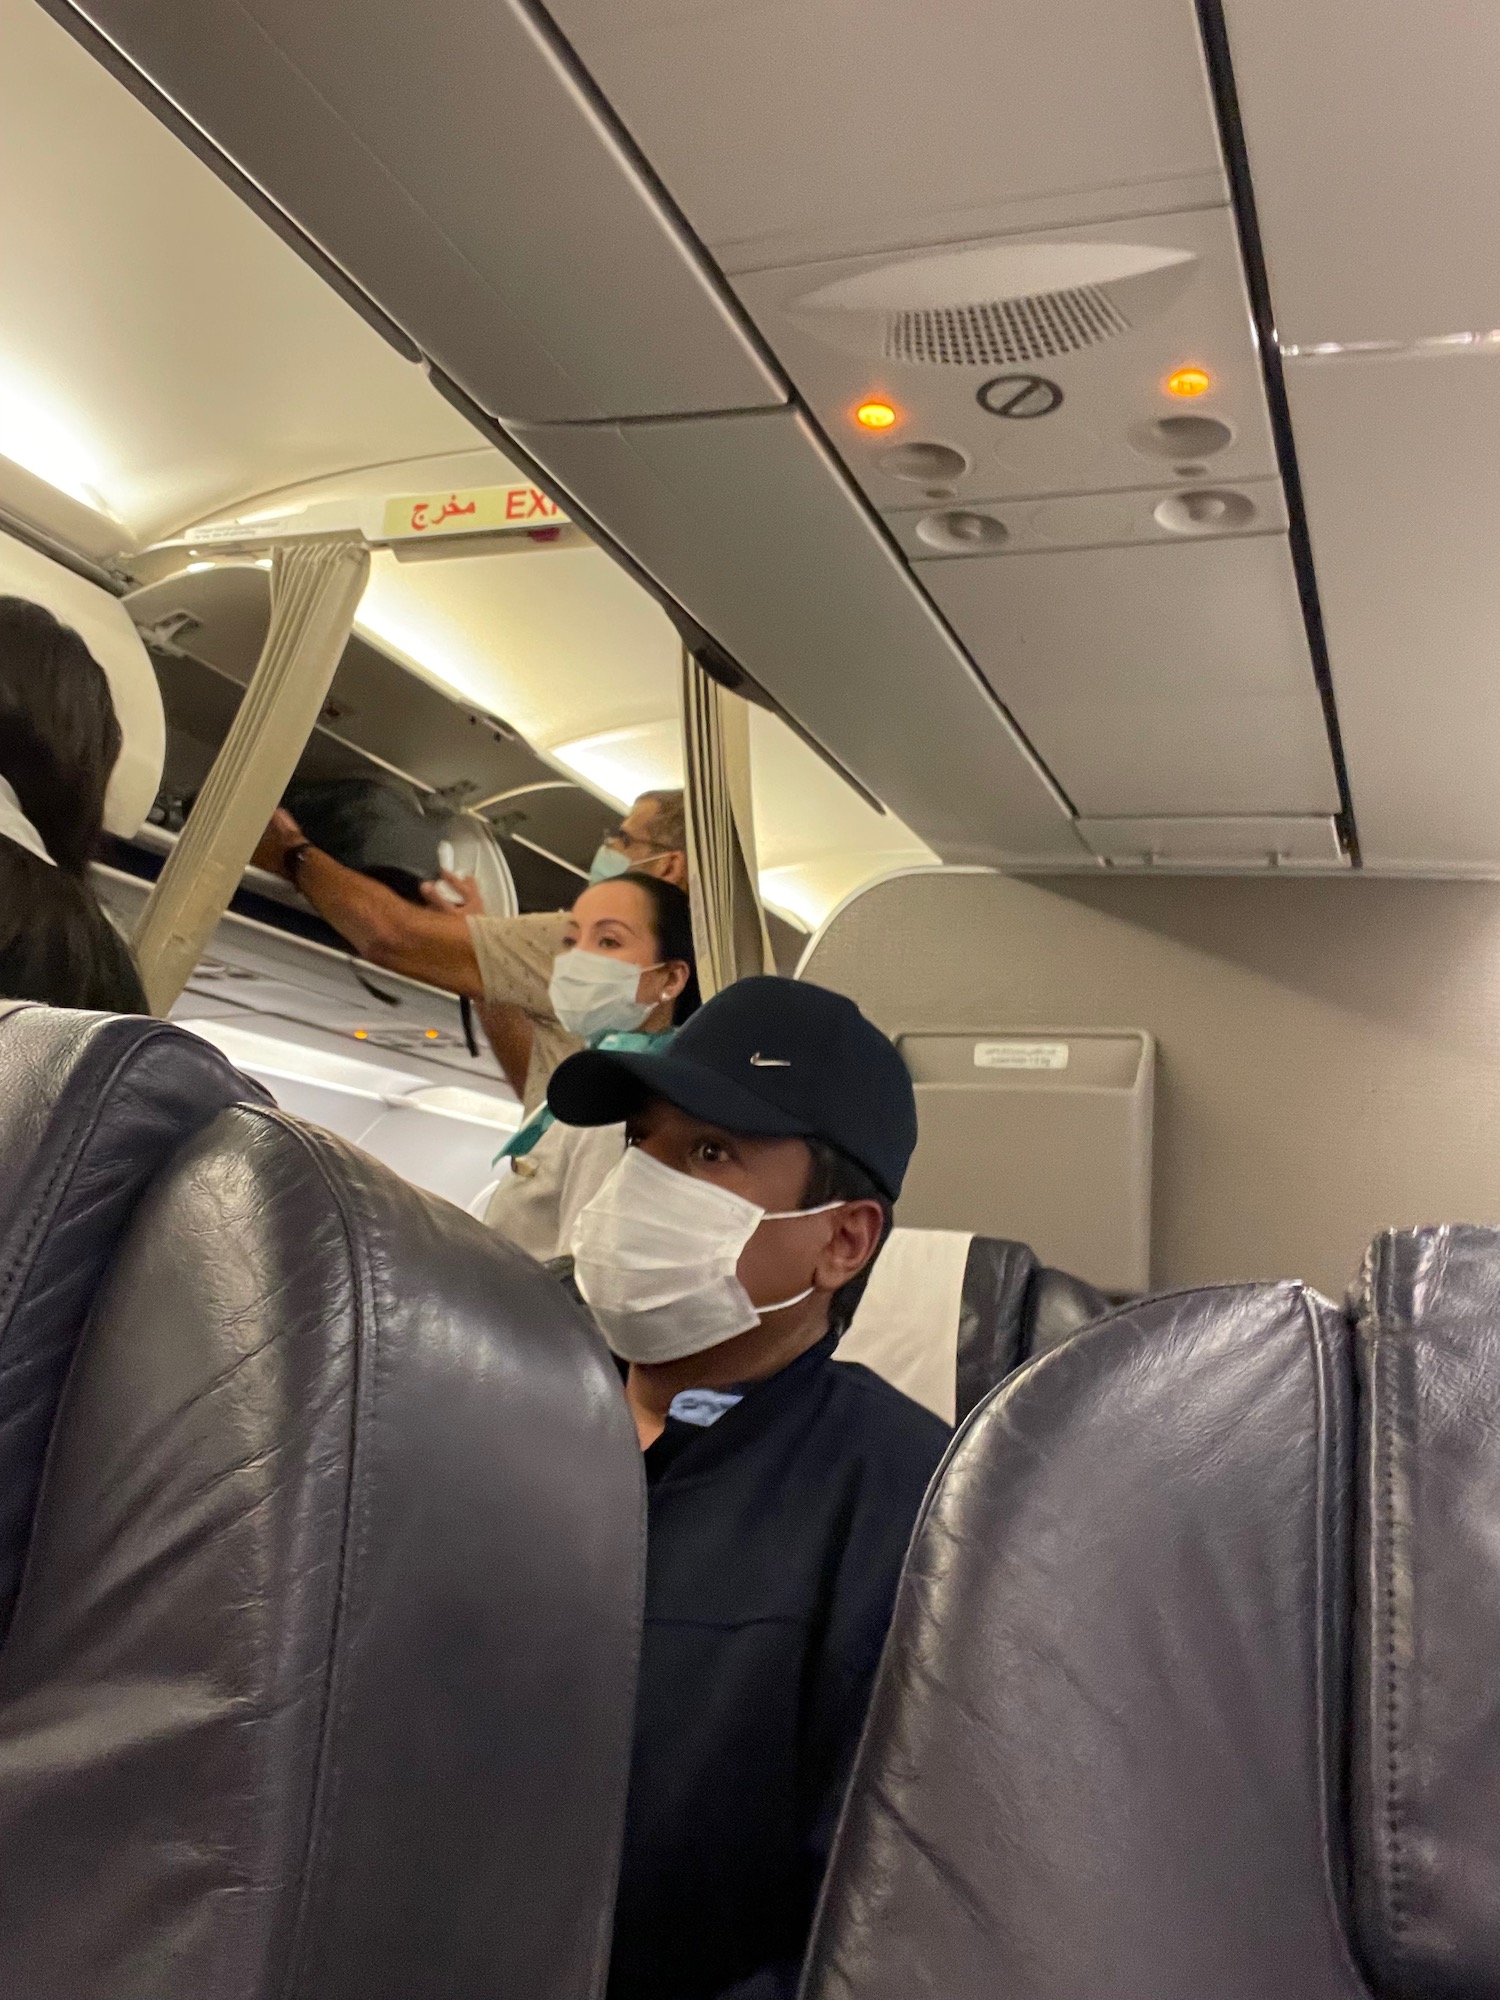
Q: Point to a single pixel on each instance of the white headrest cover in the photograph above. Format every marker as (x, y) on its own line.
(103, 624)
(906, 1325)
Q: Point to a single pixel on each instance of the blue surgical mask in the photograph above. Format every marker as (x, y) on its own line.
(608, 862)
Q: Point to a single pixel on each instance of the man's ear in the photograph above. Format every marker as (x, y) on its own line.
(852, 1242)
(674, 869)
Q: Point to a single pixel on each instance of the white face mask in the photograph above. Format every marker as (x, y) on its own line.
(654, 1254)
(595, 995)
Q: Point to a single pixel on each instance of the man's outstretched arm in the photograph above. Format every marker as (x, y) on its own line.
(421, 942)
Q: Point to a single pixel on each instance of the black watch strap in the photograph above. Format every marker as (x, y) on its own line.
(291, 861)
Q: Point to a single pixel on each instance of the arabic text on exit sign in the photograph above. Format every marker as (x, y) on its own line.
(474, 510)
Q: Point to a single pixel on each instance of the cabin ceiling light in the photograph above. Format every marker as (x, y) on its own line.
(35, 437)
(623, 763)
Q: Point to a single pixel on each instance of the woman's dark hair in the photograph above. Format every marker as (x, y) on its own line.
(833, 1176)
(59, 742)
(672, 924)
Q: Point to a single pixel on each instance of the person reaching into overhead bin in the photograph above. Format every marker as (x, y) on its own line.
(504, 963)
(723, 1258)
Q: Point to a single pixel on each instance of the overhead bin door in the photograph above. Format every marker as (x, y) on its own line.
(749, 524)
(448, 159)
(1371, 132)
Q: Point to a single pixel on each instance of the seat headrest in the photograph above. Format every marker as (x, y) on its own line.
(1098, 1757)
(947, 1315)
(321, 1680)
(1426, 1750)
(91, 1107)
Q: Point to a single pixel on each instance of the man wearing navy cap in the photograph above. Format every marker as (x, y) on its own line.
(723, 1259)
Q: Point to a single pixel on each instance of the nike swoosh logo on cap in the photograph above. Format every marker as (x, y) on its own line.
(770, 1062)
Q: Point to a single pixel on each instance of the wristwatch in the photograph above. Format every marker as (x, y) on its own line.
(291, 860)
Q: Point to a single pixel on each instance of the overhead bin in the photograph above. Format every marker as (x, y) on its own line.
(798, 129)
(1402, 478)
(455, 166)
(1157, 680)
(751, 526)
(1376, 223)
(1380, 251)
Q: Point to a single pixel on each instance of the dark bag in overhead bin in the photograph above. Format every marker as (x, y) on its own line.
(372, 824)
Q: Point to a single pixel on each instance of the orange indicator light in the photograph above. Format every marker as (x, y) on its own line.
(431, 1034)
(361, 1034)
(1188, 382)
(876, 416)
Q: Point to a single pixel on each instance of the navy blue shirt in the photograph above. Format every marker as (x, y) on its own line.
(775, 1542)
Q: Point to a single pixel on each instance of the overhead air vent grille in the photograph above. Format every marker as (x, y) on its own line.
(1004, 331)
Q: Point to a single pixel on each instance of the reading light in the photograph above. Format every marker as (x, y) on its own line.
(1188, 382)
(876, 416)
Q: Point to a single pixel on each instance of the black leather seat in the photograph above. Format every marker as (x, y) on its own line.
(1191, 1689)
(946, 1316)
(91, 1107)
(319, 1680)
(1014, 1308)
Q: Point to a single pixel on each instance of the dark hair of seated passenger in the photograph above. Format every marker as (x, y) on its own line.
(672, 926)
(59, 743)
(833, 1176)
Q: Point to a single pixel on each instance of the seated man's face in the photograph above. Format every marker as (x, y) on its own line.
(780, 1260)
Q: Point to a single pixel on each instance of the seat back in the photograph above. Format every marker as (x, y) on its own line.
(1191, 1687)
(320, 1679)
(947, 1315)
(91, 1107)
(1113, 1772)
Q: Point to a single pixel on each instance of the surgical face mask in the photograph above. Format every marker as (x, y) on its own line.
(595, 995)
(654, 1255)
(608, 862)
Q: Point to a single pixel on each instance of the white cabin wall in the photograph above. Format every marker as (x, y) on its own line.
(1328, 1049)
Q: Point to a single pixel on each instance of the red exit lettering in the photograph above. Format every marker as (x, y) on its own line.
(525, 503)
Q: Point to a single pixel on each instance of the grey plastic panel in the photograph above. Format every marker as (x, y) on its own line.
(1155, 681)
(1375, 149)
(1185, 511)
(808, 125)
(1402, 480)
(448, 159)
(1091, 420)
(1287, 842)
(1039, 1134)
(751, 526)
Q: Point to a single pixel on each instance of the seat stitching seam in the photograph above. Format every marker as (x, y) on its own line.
(1394, 1841)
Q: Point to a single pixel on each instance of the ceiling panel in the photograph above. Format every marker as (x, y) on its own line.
(791, 128)
(1402, 476)
(1153, 680)
(452, 165)
(1375, 150)
(750, 525)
